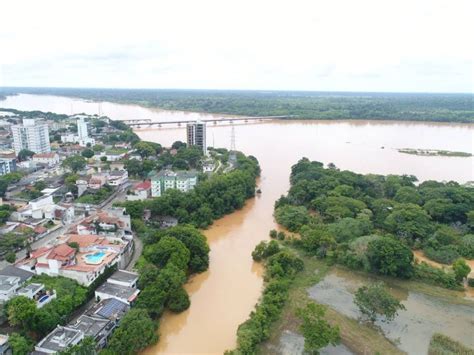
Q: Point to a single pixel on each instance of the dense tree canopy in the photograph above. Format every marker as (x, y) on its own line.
(136, 332)
(371, 222)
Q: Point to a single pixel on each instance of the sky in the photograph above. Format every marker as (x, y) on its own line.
(330, 45)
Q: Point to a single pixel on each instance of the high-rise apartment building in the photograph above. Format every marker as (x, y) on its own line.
(83, 133)
(196, 135)
(32, 135)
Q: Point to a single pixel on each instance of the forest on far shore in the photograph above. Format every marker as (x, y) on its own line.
(293, 104)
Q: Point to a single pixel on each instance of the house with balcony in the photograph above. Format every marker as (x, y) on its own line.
(168, 179)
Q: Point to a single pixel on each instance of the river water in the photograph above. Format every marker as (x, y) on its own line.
(222, 297)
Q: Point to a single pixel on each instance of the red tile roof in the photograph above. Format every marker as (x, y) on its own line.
(38, 252)
(83, 240)
(145, 185)
(62, 252)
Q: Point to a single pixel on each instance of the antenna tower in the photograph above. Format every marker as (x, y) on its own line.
(232, 139)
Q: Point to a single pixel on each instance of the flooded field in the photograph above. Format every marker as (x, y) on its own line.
(413, 328)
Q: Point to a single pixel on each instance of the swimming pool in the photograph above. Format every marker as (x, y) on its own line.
(95, 258)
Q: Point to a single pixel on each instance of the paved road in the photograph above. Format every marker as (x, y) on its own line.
(138, 249)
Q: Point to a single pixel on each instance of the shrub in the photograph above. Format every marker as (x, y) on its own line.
(435, 276)
(444, 255)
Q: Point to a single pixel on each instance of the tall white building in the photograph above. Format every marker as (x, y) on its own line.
(83, 133)
(196, 135)
(32, 135)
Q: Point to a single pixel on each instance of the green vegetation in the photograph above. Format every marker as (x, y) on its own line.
(211, 199)
(185, 158)
(86, 347)
(74, 163)
(20, 345)
(372, 222)
(280, 270)
(136, 332)
(317, 332)
(22, 312)
(461, 269)
(25, 154)
(374, 300)
(96, 197)
(442, 345)
(434, 152)
(300, 104)
(8, 179)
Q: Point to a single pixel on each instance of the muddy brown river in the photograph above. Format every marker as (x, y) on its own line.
(222, 297)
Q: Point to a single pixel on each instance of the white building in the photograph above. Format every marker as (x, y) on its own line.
(32, 135)
(50, 159)
(7, 166)
(83, 133)
(196, 135)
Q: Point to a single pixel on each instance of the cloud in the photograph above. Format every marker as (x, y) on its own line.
(396, 45)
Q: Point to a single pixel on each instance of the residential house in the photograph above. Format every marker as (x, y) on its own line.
(140, 191)
(50, 159)
(11, 280)
(59, 340)
(124, 294)
(38, 293)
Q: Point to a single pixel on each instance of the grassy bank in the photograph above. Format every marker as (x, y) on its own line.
(443, 345)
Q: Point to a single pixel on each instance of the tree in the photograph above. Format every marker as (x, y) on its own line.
(20, 311)
(178, 144)
(375, 300)
(98, 148)
(168, 250)
(292, 217)
(87, 153)
(178, 301)
(317, 240)
(25, 154)
(461, 269)
(263, 250)
(409, 221)
(19, 344)
(144, 149)
(10, 257)
(74, 163)
(103, 159)
(391, 257)
(195, 242)
(408, 194)
(136, 332)
(317, 332)
(273, 233)
(86, 347)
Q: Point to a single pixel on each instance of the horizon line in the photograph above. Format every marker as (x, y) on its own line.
(237, 90)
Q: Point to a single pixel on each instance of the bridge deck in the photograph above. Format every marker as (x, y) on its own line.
(150, 122)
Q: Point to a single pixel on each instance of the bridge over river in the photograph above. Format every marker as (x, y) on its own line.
(145, 123)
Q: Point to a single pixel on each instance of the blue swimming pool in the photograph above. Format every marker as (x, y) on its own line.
(95, 258)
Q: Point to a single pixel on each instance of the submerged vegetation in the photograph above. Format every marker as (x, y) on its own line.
(434, 152)
(297, 104)
(442, 345)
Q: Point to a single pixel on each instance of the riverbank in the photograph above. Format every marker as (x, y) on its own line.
(359, 337)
